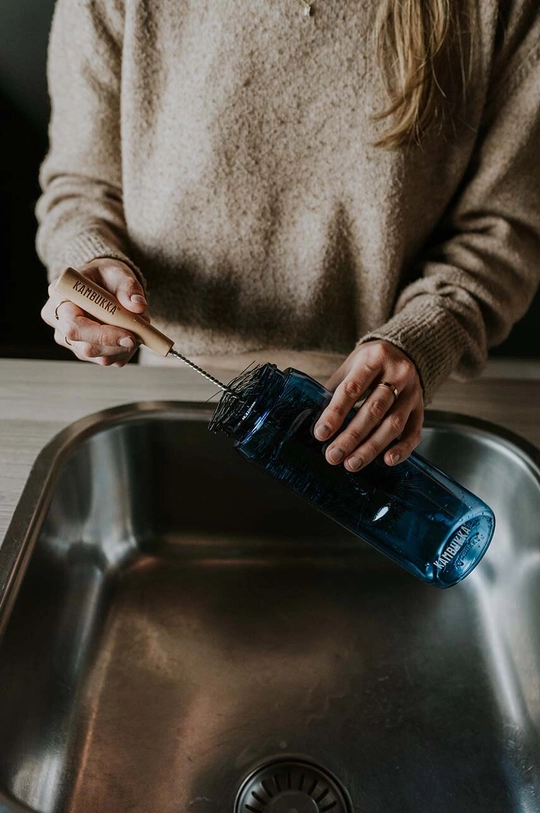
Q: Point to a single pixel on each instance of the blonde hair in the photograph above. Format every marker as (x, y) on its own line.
(424, 51)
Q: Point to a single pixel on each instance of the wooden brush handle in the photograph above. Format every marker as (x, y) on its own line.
(99, 303)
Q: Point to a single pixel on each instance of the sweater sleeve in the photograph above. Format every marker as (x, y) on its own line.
(482, 269)
(80, 212)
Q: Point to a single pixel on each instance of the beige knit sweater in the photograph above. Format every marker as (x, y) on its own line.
(225, 148)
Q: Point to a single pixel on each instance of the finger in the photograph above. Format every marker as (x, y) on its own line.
(369, 355)
(53, 307)
(125, 287)
(62, 341)
(388, 430)
(77, 327)
(111, 361)
(409, 440)
(90, 351)
(102, 361)
(87, 352)
(345, 397)
(337, 377)
(370, 414)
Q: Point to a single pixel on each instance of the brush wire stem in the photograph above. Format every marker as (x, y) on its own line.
(199, 370)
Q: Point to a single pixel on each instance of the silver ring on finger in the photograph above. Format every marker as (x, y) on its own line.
(67, 341)
(388, 385)
(56, 309)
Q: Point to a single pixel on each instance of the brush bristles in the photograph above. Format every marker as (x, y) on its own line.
(241, 391)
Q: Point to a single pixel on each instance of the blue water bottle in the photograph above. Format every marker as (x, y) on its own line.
(413, 512)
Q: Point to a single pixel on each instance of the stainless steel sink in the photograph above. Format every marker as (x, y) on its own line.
(174, 619)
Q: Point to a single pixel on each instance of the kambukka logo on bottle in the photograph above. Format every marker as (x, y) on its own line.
(454, 547)
(93, 296)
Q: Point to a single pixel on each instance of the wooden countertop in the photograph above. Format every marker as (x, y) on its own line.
(39, 398)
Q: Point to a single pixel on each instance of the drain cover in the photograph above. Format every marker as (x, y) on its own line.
(291, 786)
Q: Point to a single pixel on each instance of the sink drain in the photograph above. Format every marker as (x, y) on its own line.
(291, 786)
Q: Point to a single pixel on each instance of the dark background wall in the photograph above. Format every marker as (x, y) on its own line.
(24, 111)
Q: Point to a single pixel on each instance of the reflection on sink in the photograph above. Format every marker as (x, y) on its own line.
(174, 617)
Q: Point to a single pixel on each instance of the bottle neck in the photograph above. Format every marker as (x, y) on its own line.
(251, 397)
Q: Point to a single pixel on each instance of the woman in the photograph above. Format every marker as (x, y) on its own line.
(286, 181)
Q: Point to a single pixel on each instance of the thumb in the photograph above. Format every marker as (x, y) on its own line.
(120, 280)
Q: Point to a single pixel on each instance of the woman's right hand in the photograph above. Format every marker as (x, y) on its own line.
(87, 338)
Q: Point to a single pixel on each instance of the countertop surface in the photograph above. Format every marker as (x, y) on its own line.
(39, 398)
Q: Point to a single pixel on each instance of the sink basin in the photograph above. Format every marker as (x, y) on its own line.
(173, 619)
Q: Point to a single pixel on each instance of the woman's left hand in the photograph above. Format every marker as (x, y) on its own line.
(382, 418)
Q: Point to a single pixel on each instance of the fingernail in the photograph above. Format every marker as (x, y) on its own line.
(336, 455)
(322, 431)
(126, 342)
(395, 458)
(138, 300)
(355, 463)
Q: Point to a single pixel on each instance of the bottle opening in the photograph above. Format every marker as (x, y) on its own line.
(241, 405)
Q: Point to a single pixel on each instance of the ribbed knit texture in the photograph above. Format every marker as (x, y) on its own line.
(226, 151)
(91, 246)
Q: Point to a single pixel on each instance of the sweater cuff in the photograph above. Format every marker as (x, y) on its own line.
(87, 247)
(429, 335)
